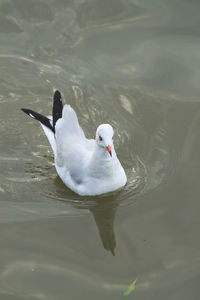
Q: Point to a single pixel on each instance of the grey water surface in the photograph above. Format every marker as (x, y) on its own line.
(133, 64)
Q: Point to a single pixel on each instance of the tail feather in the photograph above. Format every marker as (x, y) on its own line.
(44, 120)
(57, 108)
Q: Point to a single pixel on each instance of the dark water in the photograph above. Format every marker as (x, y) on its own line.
(133, 64)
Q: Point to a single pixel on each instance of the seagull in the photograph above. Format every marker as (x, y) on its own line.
(89, 167)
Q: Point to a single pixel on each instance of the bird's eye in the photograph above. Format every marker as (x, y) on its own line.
(100, 138)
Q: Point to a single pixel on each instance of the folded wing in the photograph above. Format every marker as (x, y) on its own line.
(72, 153)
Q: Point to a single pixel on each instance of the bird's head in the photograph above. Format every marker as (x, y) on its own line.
(104, 137)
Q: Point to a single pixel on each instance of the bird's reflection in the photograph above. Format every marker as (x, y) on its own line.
(103, 210)
(104, 216)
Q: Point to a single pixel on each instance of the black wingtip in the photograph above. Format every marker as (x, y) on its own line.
(57, 108)
(57, 95)
(42, 119)
(28, 112)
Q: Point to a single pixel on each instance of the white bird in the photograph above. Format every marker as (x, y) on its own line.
(87, 166)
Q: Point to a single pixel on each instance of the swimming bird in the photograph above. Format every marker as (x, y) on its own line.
(88, 167)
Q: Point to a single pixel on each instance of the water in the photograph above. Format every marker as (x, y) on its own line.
(133, 64)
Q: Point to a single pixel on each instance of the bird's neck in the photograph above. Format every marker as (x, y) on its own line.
(102, 154)
(101, 163)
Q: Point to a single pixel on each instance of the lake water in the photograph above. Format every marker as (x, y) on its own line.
(133, 64)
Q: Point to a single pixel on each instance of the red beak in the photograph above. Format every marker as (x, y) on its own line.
(109, 150)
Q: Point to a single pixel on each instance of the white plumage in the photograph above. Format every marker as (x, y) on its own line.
(88, 167)
(85, 166)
